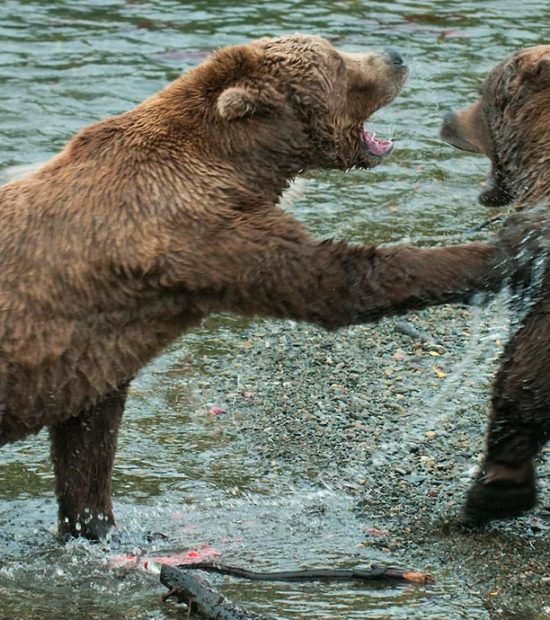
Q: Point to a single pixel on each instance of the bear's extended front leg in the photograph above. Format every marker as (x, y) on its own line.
(265, 263)
(83, 450)
(336, 284)
(519, 425)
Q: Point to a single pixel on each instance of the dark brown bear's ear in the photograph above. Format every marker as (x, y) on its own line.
(538, 74)
(238, 102)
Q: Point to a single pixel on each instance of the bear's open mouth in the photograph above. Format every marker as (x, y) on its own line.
(371, 150)
(376, 146)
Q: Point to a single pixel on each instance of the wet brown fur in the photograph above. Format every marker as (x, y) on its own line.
(149, 221)
(510, 124)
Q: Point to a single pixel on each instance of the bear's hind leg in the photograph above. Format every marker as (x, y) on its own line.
(83, 450)
(519, 425)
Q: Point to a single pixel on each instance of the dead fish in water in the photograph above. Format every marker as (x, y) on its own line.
(153, 563)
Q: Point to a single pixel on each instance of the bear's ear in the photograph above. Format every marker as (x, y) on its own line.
(237, 102)
(539, 73)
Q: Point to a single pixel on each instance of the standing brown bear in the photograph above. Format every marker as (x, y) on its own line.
(510, 124)
(148, 221)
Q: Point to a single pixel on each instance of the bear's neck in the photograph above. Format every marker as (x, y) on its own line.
(531, 182)
(525, 161)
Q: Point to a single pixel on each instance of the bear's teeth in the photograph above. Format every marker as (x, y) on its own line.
(376, 147)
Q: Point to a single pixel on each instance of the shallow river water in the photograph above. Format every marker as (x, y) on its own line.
(195, 478)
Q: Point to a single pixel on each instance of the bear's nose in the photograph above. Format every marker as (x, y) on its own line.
(448, 128)
(394, 57)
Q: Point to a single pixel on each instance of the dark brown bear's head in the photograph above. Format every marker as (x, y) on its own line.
(510, 124)
(291, 104)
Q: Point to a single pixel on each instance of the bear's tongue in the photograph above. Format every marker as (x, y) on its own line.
(377, 147)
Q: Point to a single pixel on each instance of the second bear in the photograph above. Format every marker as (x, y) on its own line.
(510, 124)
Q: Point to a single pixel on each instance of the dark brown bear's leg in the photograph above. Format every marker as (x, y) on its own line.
(83, 451)
(519, 425)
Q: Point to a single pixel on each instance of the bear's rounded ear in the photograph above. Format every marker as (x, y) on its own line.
(238, 102)
(539, 73)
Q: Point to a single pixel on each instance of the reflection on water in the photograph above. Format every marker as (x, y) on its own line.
(181, 472)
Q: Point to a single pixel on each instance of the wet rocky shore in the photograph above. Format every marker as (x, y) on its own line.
(395, 414)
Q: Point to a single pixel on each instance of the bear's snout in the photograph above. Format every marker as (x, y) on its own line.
(394, 57)
(452, 133)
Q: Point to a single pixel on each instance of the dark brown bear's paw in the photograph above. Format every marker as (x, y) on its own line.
(96, 527)
(492, 498)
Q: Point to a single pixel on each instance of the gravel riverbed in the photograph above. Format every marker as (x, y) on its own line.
(395, 413)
